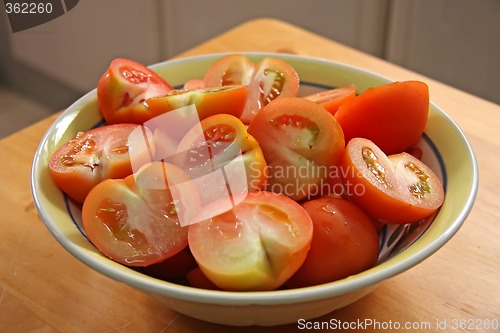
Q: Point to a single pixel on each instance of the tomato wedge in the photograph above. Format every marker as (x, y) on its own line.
(223, 160)
(345, 242)
(135, 221)
(123, 89)
(393, 116)
(302, 145)
(233, 69)
(257, 245)
(273, 78)
(395, 189)
(92, 156)
(208, 101)
(194, 84)
(332, 99)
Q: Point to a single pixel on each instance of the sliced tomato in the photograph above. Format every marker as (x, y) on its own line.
(136, 221)
(194, 84)
(273, 78)
(208, 101)
(302, 145)
(223, 159)
(393, 116)
(257, 245)
(233, 69)
(395, 189)
(95, 155)
(174, 268)
(344, 243)
(123, 89)
(332, 99)
(197, 279)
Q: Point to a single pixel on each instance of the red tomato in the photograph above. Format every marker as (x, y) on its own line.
(257, 245)
(234, 69)
(197, 279)
(92, 156)
(273, 78)
(208, 101)
(194, 84)
(222, 139)
(394, 189)
(344, 243)
(334, 98)
(174, 268)
(393, 116)
(223, 160)
(136, 221)
(123, 89)
(302, 145)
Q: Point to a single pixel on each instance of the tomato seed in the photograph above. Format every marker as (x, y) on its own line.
(373, 164)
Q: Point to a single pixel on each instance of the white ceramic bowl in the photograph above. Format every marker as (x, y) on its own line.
(446, 150)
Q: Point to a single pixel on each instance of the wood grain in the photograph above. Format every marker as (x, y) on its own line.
(44, 289)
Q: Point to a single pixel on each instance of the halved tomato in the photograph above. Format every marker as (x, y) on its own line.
(123, 89)
(344, 243)
(222, 158)
(174, 268)
(233, 69)
(302, 145)
(273, 78)
(98, 154)
(208, 101)
(136, 221)
(332, 99)
(393, 116)
(394, 189)
(257, 245)
(194, 84)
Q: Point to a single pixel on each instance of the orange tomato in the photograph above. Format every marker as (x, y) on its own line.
(208, 101)
(334, 98)
(395, 189)
(393, 116)
(93, 156)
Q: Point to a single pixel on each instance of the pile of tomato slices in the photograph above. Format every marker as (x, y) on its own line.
(235, 182)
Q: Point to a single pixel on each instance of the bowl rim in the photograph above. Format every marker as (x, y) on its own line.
(305, 294)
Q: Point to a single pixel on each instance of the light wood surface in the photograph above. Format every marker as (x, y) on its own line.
(44, 289)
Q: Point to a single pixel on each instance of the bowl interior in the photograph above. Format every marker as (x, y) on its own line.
(445, 147)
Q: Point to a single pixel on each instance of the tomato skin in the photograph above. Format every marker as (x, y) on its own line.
(223, 160)
(393, 116)
(135, 221)
(344, 243)
(124, 87)
(194, 84)
(298, 135)
(97, 154)
(257, 245)
(173, 268)
(332, 99)
(273, 78)
(224, 140)
(233, 69)
(208, 101)
(197, 279)
(387, 199)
